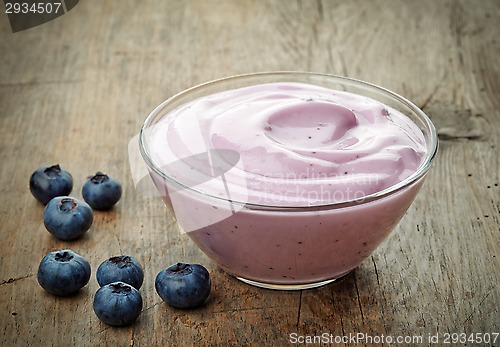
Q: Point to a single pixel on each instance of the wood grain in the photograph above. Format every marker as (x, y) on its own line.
(77, 89)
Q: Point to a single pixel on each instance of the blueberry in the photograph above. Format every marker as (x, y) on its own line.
(50, 181)
(67, 218)
(101, 192)
(117, 304)
(63, 272)
(123, 268)
(183, 285)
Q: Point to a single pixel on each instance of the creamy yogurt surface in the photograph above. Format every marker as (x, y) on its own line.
(293, 144)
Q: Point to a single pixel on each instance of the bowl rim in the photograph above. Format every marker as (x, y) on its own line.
(423, 168)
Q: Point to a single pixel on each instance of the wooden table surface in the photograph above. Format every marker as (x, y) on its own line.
(77, 89)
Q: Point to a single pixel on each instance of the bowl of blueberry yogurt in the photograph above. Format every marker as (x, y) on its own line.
(288, 180)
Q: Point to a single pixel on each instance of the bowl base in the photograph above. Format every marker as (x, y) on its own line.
(290, 286)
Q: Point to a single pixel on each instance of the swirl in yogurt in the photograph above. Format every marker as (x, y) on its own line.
(297, 144)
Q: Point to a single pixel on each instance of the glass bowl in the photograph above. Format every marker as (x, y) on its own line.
(274, 245)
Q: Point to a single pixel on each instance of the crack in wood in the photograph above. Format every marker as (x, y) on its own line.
(451, 137)
(12, 280)
(37, 83)
(320, 9)
(359, 299)
(434, 91)
(298, 312)
(376, 272)
(476, 308)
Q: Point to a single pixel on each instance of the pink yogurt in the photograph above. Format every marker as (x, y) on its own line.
(298, 149)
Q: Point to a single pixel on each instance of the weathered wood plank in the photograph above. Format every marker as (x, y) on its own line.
(77, 89)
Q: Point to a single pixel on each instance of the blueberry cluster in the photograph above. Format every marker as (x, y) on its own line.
(100, 191)
(118, 301)
(66, 217)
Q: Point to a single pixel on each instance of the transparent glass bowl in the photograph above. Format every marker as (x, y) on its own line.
(287, 247)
